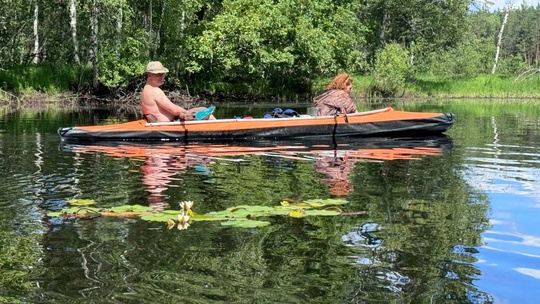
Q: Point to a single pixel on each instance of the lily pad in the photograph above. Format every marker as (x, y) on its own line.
(318, 203)
(131, 208)
(158, 217)
(245, 223)
(243, 212)
(74, 211)
(241, 216)
(81, 202)
(322, 212)
(298, 213)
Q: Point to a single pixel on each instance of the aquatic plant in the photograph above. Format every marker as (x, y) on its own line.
(242, 216)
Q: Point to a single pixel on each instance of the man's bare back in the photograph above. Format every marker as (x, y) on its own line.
(155, 105)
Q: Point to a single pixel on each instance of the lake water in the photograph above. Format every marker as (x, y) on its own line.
(450, 218)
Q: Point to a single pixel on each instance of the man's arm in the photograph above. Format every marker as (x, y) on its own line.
(165, 103)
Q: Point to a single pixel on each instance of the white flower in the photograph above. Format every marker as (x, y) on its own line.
(186, 206)
(183, 221)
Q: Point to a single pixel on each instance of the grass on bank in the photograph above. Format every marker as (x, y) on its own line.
(50, 78)
(484, 86)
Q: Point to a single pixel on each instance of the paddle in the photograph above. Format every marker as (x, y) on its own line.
(202, 114)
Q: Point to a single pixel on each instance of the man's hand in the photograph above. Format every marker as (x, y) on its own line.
(185, 115)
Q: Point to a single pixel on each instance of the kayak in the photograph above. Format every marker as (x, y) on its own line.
(387, 121)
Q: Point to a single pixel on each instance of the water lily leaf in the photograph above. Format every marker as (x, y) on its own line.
(171, 212)
(245, 223)
(131, 208)
(81, 202)
(322, 212)
(243, 212)
(298, 213)
(206, 217)
(74, 211)
(317, 203)
(158, 217)
(290, 208)
(278, 210)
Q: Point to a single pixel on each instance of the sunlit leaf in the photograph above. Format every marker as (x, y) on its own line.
(321, 212)
(243, 212)
(74, 211)
(290, 208)
(81, 202)
(131, 208)
(285, 203)
(298, 213)
(245, 223)
(206, 217)
(317, 203)
(157, 217)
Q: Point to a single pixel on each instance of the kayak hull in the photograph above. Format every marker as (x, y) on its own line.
(372, 123)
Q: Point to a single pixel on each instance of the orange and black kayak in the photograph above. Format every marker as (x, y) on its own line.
(385, 121)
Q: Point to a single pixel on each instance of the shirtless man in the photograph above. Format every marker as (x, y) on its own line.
(155, 105)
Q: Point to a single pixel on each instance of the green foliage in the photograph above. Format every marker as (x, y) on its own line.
(120, 67)
(44, 78)
(391, 69)
(513, 65)
(471, 57)
(257, 47)
(282, 44)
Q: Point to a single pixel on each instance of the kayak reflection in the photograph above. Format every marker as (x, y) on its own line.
(159, 170)
(333, 158)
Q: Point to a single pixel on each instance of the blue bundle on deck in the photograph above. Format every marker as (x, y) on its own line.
(279, 113)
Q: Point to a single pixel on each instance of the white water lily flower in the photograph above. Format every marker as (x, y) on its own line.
(182, 226)
(183, 221)
(186, 206)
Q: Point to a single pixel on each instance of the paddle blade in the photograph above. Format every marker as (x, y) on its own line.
(202, 114)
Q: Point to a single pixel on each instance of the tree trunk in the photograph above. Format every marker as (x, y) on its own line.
(159, 32)
(499, 40)
(73, 26)
(119, 30)
(36, 34)
(382, 30)
(94, 47)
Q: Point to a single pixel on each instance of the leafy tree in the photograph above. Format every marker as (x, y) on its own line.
(434, 25)
(391, 68)
(282, 43)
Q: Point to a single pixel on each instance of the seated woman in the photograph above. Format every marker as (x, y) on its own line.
(336, 99)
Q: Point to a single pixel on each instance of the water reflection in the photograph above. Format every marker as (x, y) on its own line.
(160, 170)
(166, 162)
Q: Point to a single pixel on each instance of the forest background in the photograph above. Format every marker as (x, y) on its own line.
(268, 48)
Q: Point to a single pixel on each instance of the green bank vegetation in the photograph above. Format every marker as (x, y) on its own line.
(269, 48)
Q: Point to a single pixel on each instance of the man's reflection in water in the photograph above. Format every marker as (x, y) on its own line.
(160, 170)
(337, 170)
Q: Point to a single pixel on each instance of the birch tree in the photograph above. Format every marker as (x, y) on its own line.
(73, 26)
(499, 39)
(36, 33)
(94, 44)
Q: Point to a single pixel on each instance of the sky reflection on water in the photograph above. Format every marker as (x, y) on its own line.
(510, 256)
